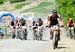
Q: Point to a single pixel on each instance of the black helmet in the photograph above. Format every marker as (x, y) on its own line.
(54, 11)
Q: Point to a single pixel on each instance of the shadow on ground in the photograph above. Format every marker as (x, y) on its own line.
(62, 47)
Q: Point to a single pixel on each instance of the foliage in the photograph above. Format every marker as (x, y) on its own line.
(66, 8)
(1, 1)
(15, 1)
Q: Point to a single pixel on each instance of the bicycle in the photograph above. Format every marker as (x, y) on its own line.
(55, 37)
(37, 33)
(21, 32)
(71, 32)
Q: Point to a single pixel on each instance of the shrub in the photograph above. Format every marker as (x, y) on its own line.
(15, 1)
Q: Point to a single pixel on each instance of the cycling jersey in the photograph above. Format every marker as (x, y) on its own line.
(70, 23)
(54, 19)
(40, 23)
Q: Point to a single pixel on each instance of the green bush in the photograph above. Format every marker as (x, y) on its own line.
(1, 1)
(15, 1)
(66, 8)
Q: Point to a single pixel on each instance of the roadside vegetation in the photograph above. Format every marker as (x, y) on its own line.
(66, 8)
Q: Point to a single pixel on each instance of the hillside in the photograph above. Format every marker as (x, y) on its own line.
(41, 8)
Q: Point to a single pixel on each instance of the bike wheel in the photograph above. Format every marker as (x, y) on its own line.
(70, 35)
(54, 46)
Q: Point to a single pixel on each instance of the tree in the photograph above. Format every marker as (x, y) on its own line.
(66, 8)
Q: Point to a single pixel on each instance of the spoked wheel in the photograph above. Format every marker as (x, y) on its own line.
(55, 45)
(70, 34)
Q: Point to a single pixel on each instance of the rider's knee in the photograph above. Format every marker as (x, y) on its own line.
(51, 30)
(59, 30)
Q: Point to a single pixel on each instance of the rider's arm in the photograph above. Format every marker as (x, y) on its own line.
(68, 24)
(61, 21)
(48, 21)
(49, 16)
(60, 31)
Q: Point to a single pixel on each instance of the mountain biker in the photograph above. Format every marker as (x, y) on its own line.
(54, 20)
(70, 23)
(40, 27)
(39, 22)
(23, 24)
(16, 23)
(34, 24)
(34, 27)
(70, 26)
(13, 29)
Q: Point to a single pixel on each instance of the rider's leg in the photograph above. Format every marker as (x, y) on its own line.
(34, 33)
(25, 34)
(59, 33)
(70, 32)
(56, 44)
(13, 36)
(41, 35)
(51, 33)
(36, 37)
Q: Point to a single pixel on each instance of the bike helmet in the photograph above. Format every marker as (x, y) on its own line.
(54, 11)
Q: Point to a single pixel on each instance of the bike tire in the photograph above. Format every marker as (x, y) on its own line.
(54, 46)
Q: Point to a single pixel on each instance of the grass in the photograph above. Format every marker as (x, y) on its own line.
(42, 10)
(2, 1)
(20, 5)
